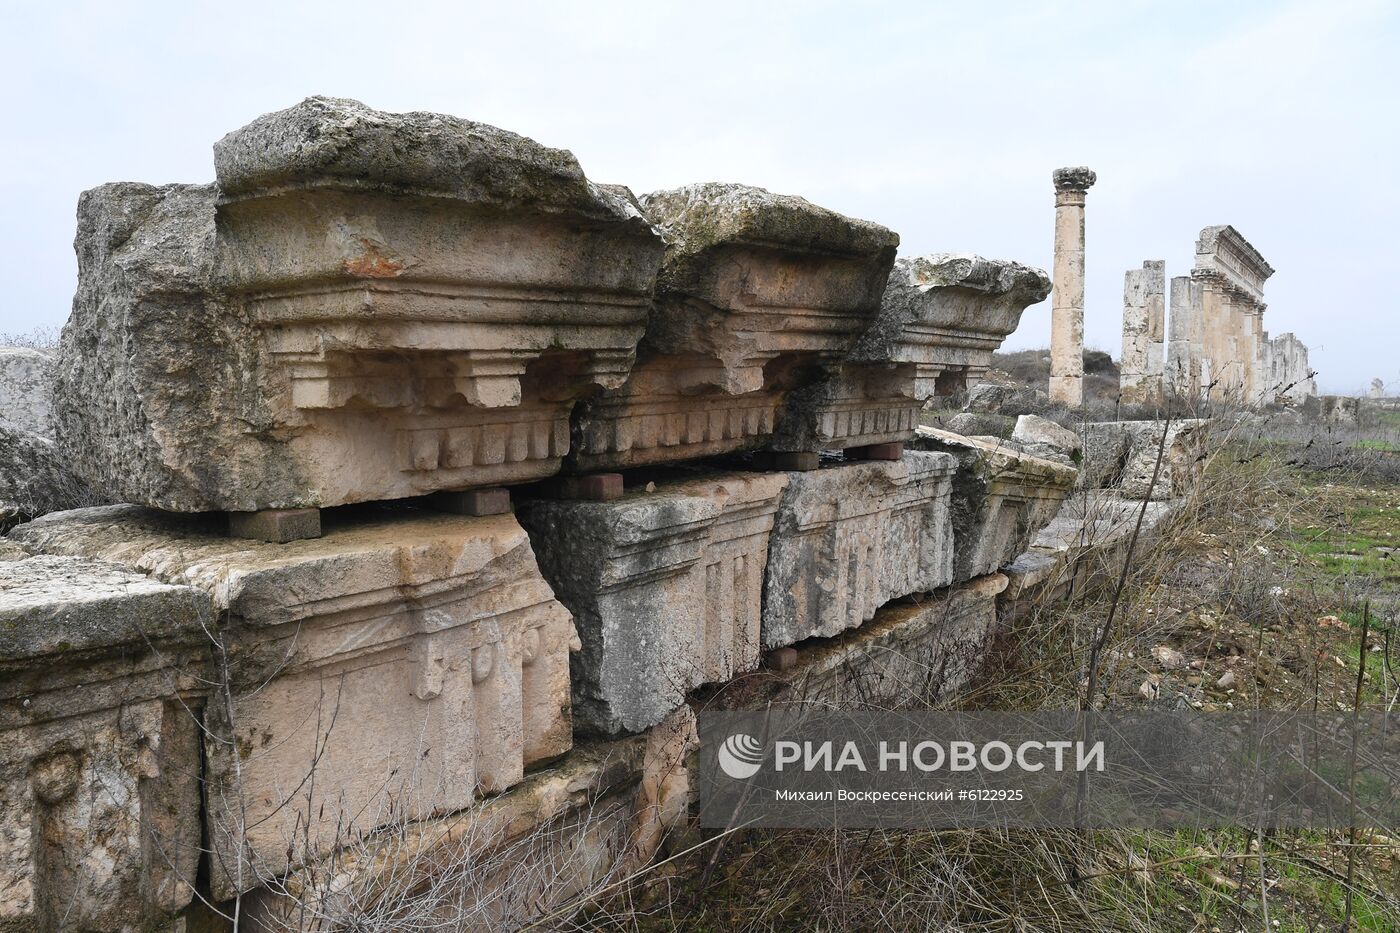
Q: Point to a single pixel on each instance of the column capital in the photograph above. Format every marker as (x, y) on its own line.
(1076, 178)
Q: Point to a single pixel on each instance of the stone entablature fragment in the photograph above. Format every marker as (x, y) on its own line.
(365, 306)
(1232, 275)
(759, 295)
(101, 675)
(850, 537)
(940, 320)
(1000, 499)
(409, 661)
(665, 588)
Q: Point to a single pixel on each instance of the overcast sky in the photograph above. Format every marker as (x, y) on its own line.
(942, 121)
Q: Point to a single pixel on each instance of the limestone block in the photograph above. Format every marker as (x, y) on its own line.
(970, 423)
(665, 588)
(758, 296)
(1183, 460)
(851, 537)
(392, 669)
(365, 306)
(1000, 499)
(1144, 337)
(1045, 438)
(941, 318)
(911, 654)
(99, 745)
(35, 478)
(1123, 455)
(25, 379)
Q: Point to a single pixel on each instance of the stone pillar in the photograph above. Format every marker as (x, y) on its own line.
(1186, 349)
(1377, 389)
(1144, 313)
(1067, 315)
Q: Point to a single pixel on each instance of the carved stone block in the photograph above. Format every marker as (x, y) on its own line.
(1001, 498)
(99, 745)
(851, 537)
(941, 318)
(759, 296)
(365, 306)
(394, 668)
(665, 587)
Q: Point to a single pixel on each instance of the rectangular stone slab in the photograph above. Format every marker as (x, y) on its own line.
(410, 660)
(851, 537)
(1000, 499)
(365, 306)
(665, 587)
(100, 668)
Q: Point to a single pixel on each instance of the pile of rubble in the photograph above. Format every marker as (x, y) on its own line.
(454, 482)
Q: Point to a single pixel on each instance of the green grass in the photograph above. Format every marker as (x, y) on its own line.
(1386, 446)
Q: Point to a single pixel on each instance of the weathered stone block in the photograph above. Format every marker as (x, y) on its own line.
(1000, 499)
(26, 376)
(365, 306)
(1044, 438)
(1144, 333)
(393, 668)
(100, 670)
(851, 537)
(910, 654)
(1123, 455)
(758, 296)
(940, 320)
(35, 478)
(665, 588)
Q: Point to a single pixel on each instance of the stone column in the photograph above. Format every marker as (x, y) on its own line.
(1144, 313)
(1067, 315)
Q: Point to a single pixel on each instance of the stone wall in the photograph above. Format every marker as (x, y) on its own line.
(347, 344)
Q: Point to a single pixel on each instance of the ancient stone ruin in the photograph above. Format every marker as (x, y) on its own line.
(1144, 332)
(370, 598)
(1067, 317)
(1212, 345)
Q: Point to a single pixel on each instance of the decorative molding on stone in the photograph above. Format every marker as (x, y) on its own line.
(1000, 498)
(851, 537)
(413, 660)
(759, 297)
(353, 275)
(101, 671)
(665, 587)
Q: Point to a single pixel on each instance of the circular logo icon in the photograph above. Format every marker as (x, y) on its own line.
(740, 756)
